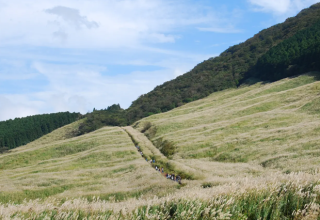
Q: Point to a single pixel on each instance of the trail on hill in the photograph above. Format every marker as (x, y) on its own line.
(150, 152)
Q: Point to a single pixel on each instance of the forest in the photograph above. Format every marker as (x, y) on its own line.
(20, 131)
(113, 116)
(296, 55)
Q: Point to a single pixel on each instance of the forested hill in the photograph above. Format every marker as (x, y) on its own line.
(20, 131)
(295, 55)
(232, 67)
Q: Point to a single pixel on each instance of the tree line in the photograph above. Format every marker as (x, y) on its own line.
(20, 131)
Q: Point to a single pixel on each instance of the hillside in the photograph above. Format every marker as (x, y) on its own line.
(245, 153)
(247, 130)
(103, 163)
(228, 70)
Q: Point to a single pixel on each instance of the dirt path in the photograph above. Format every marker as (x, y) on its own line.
(151, 152)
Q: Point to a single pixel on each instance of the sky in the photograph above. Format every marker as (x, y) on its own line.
(76, 55)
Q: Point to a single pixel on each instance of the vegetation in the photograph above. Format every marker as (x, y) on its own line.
(104, 163)
(113, 116)
(298, 54)
(242, 130)
(295, 200)
(20, 131)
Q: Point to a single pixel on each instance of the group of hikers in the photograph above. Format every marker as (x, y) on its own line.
(172, 177)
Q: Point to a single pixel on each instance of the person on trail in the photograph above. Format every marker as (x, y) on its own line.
(146, 159)
(179, 179)
(162, 169)
(153, 161)
(156, 168)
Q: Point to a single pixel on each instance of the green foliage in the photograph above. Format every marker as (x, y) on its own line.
(295, 55)
(166, 147)
(146, 127)
(113, 116)
(20, 131)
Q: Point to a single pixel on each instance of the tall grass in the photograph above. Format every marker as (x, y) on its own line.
(288, 200)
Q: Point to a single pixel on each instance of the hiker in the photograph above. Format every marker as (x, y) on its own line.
(156, 168)
(179, 179)
(162, 169)
(153, 161)
(146, 159)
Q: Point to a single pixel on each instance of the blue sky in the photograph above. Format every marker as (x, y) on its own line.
(74, 55)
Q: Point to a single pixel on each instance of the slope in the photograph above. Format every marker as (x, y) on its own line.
(244, 142)
(228, 70)
(250, 130)
(103, 163)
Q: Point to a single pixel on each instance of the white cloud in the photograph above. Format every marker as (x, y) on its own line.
(102, 23)
(84, 87)
(72, 16)
(281, 7)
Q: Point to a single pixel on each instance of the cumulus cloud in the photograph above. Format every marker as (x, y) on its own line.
(280, 7)
(72, 16)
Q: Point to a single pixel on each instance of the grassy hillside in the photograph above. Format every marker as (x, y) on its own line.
(252, 152)
(253, 129)
(103, 163)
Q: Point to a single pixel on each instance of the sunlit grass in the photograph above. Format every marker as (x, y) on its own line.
(104, 163)
(252, 124)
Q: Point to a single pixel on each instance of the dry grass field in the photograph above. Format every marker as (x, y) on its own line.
(265, 127)
(103, 163)
(248, 153)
